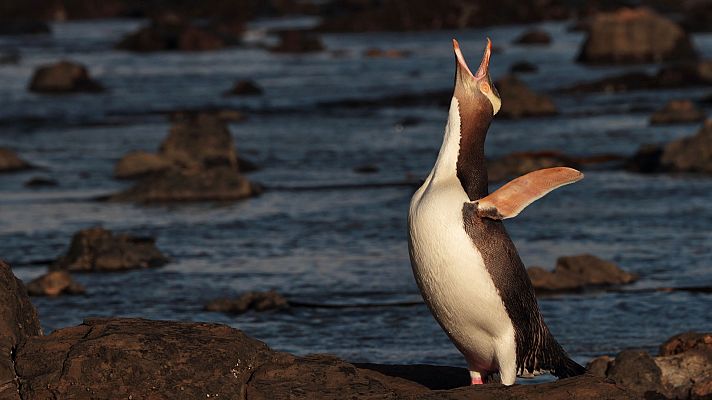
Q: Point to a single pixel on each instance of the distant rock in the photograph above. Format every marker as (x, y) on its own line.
(244, 87)
(518, 101)
(646, 160)
(375, 52)
(635, 36)
(63, 77)
(517, 164)
(534, 37)
(196, 162)
(523, 67)
(690, 154)
(366, 169)
(11, 162)
(22, 27)
(573, 273)
(297, 41)
(97, 249)
(54, 283)
(677, 111)
(258, 301)
(170, 32)
(40, 181)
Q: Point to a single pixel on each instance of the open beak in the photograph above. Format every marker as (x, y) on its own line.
(483, 70)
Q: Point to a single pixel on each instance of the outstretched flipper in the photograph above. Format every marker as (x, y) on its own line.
(509, 200)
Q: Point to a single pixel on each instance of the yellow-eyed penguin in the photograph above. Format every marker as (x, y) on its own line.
(464, 262)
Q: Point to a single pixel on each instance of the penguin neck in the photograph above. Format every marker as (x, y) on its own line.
(461, 156)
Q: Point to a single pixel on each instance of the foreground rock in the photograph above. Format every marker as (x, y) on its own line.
(135, 358)
(54, 283)
(170, 32)
(18, 321)
(258, 301)
(635, 36)
(297, 41)
(687, 154)
(519, 101)
(677, 111)
(196, 162)
(63, 77)
(97, 249)
(574, 273)
(11, 162)
(682, 370)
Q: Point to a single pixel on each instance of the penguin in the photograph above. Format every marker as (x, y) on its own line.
(464, 262)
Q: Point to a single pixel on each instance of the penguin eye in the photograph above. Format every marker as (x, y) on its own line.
(485, 87)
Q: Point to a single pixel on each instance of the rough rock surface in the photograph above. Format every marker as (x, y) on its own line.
(635, 36)
(18, 321)
(519, 101)
(244, 87)
(297, 41)
(63, 77)
(196, 162)
(578, 272)
(677, 111)
(54, 283)
(10, 162)
(686, 341)
(690, 154)
(258, 301)
(534, 37)
(97, 249)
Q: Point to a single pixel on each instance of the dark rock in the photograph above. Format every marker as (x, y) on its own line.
(534, 37)
(637, 372)
(258, 301)
(635, 36)
(39, 181)
(244, 87)
(599, 366)
(697, 16)
(646, 159)
(9, 57)
(54, 283)
(97, 249)
(10, 162)
(177, 185)
(690, 154)
(432, 377)
(170, 32)
(139, 164)
(517, 164)
(18, 321)
(297, 41)
(678, 111)
(523, 67)
(686, 341)
(518, 101)
(23, 27)
(199, 141)
(63, 77)
(366, 169)
(375, 52)
(578, 272)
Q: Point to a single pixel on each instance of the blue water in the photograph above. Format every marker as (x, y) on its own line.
(342, 246)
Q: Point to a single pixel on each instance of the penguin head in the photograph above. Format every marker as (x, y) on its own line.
(475, 91)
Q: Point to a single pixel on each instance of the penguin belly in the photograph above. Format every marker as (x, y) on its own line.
(454, 280)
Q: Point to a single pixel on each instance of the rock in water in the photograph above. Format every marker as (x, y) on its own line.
(11, 162)
(678, 111)
(244, 87)
(63, 77)
(18, 321)
(519, 101)
(517, 164)
(97, 249)
(54, 283)
(578, 272)
(258, 301)
(199, 141)
(534, 37)
(140, 163)
(298, 41)
(635, 36)
(690, 154)
(171, 32)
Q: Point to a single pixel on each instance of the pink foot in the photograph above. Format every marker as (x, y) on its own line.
(477, 381)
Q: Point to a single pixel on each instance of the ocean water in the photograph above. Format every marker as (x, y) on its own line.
(342, 245)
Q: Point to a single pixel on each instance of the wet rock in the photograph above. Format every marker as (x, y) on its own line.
(297, 41)
(683, 342)
(678, 111)
(517, 164)
(40, 181)
(140, 163)
(646, 159)
(637, 371)
(244, 87)
(63, 77)
(534, 37)
(366, 169)
(199, 141)
(518, 101)
(523, 67)
(635, 36)
(11, 162)
(97, 249)
(18, 321)
(574, 273)
(258, 301)
(376, 52)
(170, 32)
(690, 154)
(54, 283)
(22, 27)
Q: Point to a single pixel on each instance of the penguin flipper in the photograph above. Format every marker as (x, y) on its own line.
(509, 200)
